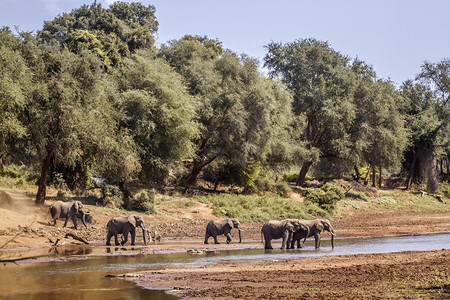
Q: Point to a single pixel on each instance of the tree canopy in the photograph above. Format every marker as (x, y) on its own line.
(91, 95)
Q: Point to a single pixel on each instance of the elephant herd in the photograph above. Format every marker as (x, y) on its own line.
(115, 226)
(291, 231)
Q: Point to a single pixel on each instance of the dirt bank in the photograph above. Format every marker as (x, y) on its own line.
(25, 226)
(407, 275)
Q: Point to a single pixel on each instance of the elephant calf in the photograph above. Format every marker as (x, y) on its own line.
(67, 210)
(316, 227)
(215, 228)
(124, 226)
(281, 229)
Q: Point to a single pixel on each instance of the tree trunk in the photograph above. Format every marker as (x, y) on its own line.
(124, 190)
(303, 171)
(42, 189)
(380, 179)
(448, 168)
(196, 169)
(366, 179)
(374, 177)
(358, 175)
(411, 171)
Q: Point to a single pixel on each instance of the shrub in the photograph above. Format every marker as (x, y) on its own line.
(63, 195)
(11, 171)
(326, 197)
(283, 189)
(290, 177)
(112, 196)
(263, 184)
(356, 196)
(445, 188)
(142, 201)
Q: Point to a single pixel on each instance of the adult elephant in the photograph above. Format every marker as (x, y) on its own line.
(281, 229)
(218, 227)
(124, 226)
(316, 227)
(68, 210)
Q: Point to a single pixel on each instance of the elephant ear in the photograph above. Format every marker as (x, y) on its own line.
(132, 220)
(290, 226)
(76, 206)
(319, 226)
(230, 222)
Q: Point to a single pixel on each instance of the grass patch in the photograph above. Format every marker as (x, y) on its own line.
(407, 201)
(249, 208)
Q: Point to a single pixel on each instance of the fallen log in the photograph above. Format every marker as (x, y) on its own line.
(76, 237)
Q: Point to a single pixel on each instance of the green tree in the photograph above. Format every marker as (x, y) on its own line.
(237, 107)
(436, 76)
(380, 134)
(15, 90)
(157, 110)
(422, 121)
(70, 118)
(109, 33)
(322, 84)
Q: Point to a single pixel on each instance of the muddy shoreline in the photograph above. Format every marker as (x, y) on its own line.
(404, 275)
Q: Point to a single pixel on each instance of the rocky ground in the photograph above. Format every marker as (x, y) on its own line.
(408, 275)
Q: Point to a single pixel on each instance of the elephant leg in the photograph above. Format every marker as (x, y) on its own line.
(125, 238)
(74, 220)
(206, 238)
(133, 237)
(67, 220)
(268, 244)
(298, 243)
(108, 239)
(317, 241)
(116, 240)
(286, 240)
(215, 239)
(228, 235)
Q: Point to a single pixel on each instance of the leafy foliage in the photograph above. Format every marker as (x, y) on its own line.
(112, 196)
(142, 201)
(110, 33)
(325, 197)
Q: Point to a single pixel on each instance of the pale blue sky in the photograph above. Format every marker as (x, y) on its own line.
(395, 36)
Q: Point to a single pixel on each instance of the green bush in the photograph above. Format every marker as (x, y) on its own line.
(325, 197)
(11, 171)
(63, 195)
(283, 189)
(290, 177)
(444, 188)
(142, 201)
(356, 196)
(264, 185)
(112, 196)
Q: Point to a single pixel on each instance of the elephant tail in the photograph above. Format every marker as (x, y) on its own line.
(262, 242)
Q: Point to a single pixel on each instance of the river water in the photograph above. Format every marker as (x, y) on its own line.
(78, 272)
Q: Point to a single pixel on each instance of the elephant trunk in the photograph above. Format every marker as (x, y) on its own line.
(83, 218)
(332, 236)
(307, 233)
(240, 238)
(143, 234)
